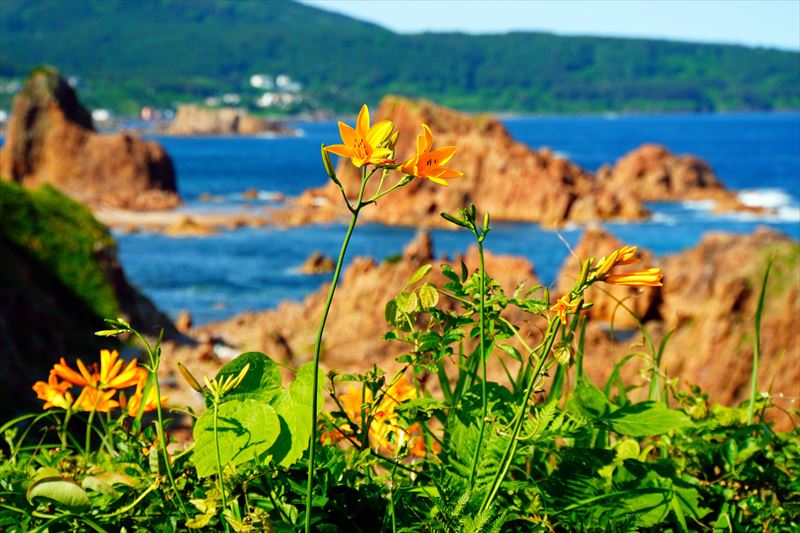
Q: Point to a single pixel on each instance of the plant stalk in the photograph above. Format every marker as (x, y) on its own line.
(482, 351)
(318, 346)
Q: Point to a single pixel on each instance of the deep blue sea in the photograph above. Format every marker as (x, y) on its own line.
(248, 269)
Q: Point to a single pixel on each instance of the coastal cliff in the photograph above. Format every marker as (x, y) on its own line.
(51, 139)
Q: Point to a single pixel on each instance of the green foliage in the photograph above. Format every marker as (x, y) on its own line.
(166, 52)
(64, 236)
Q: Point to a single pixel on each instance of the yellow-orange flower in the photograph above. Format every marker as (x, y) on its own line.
(645, 278)
(92, 399)
(563, 306)
(54, 392)
(110, 376)
(363, 144)
(430, 164)
(137, 401)
(385, 430)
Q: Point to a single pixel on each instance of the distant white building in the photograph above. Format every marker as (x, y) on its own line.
(101, 115)
(262, 81)
(231, 98)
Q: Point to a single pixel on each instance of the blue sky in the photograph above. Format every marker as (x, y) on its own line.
(771, 23)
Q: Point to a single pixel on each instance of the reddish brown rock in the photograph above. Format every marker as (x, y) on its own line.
(504, 177)
(196, 120)
(317, 263)
(51, 140)
(653, 173)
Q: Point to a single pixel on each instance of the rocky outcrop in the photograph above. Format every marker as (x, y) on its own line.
(192, 119)
(654, 174)
(505, 177)
(317, 263)
(51, 140)
(59, 277)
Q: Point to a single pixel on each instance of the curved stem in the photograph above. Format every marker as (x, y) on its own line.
(482, 351)
(318, 346)
(511, 448)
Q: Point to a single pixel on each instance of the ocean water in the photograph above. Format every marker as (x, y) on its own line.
(214, 277)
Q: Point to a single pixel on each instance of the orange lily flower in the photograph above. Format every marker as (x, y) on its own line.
(363, 144)
(54, 392)
(110, 376)
(430, 164)
(385, 432)
(646, 278)
(563, 306)
(137, 400)
(92, 399)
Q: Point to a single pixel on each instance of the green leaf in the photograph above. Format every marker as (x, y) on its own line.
(294, 408)
(647, 419)
(410, 304)
(510, 350)
(390, 312)
(63, 491)
(589, 401)
(262, 382)
(246, 429)
(428, 296)
(419, 274)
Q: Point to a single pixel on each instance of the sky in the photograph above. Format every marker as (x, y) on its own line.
(769, 23)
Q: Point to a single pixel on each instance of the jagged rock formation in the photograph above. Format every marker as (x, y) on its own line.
(196, 120)
(51, 140)
(505, 177)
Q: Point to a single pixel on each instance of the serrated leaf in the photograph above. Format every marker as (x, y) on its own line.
(246, 429)
(262, 381)
(419, 274)
(294, 408)
(65, 492)
(647, 419)
(428, 296)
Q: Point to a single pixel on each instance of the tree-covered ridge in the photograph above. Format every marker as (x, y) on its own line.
(162, 51)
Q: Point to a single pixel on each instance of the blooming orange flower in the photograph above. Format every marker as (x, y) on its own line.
(110, 376)
(563, 306)
(430, 164)
(92, 399)
(137, 400)
(54, 392)
(385, 431)
(362, 144)
(645, 278)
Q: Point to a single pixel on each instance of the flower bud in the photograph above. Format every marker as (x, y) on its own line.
(562, 354)
(328, 163)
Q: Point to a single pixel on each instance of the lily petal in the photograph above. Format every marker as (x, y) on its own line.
(340, 149)
(379, 132)
(348, 134)
(443, 155)
(362, 123)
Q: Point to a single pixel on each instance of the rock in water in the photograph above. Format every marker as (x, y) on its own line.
(196, 120)
(51, 140)
(502, 176)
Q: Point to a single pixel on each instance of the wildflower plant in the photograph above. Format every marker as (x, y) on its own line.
(488, 422)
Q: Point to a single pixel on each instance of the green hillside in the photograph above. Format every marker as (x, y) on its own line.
(159, 52)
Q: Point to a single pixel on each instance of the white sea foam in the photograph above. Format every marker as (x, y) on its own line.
(767, 198)
(663, 218)
(699, 205)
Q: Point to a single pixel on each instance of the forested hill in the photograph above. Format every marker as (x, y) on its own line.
(157, 52)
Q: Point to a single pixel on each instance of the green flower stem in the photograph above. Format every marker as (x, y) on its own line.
(511, 448)
(482, 350)
(751, 404)
(219, 463)
(155, 360)
(318, 346)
